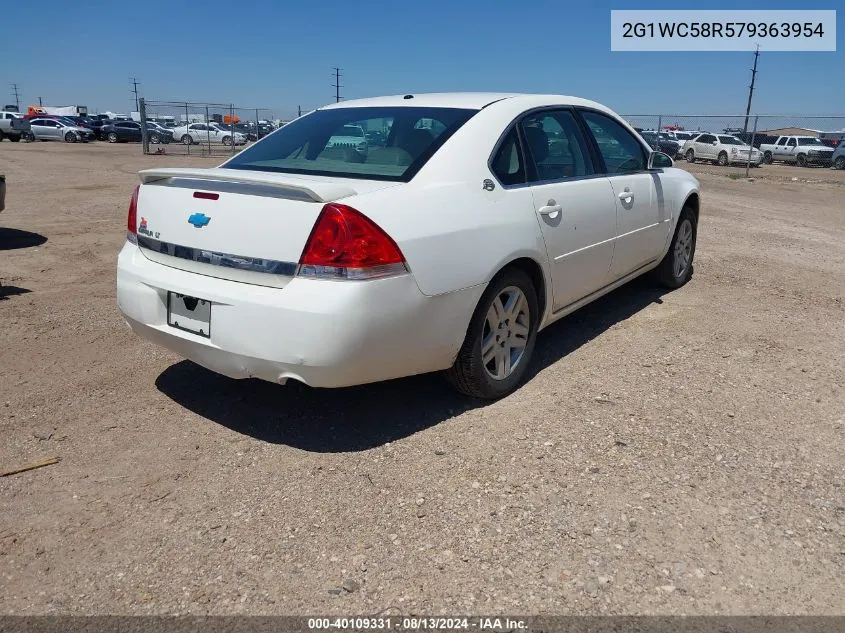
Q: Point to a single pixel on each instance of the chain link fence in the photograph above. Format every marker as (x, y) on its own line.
(794, 140)
(203, 129)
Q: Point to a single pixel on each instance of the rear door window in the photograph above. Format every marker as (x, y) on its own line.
(556, 146)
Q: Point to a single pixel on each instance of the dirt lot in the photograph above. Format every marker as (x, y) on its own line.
(674, 453)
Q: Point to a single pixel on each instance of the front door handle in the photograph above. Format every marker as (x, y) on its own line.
(551, 209)
(626, 196)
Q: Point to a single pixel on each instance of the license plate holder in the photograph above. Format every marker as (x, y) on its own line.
(189, 314)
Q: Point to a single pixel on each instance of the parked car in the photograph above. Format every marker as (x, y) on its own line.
(349, 136)
(206, 133)
(49, 129)
(86, 133)
(239, 128)
(448, 249)
(802, 150)
(661, 143)
(158, 133)
(118, 131)
(13, 126)
(722, 149)
(97, 126)
(838, 157)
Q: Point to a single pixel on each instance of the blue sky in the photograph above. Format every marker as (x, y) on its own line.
(280, 55)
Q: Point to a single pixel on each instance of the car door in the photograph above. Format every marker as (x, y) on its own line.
(643, 218)
(133, 131)
(574, 206)
(704, 147)
(791, 151)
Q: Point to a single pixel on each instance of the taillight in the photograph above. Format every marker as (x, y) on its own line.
(132, 217)
(346, 244)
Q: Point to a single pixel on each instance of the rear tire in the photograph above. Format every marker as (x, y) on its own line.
(723, 159)
(676, 267)
(690, 156)
(2, 136)
(510, 299)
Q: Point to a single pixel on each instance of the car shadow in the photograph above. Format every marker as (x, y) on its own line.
(11, 239)
(361, 418)
(11, 291)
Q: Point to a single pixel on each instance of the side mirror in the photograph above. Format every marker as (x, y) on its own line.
(659, 160)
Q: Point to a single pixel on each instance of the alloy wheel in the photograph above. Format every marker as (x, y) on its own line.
(683, 249)
(505, 333)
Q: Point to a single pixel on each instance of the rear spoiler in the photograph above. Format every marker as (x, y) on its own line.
(314, 190)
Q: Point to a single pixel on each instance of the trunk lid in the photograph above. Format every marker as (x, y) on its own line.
(245, 226)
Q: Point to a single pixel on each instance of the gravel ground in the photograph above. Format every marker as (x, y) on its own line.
(674, 453)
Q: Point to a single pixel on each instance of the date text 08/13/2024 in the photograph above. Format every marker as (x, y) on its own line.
(405, 623)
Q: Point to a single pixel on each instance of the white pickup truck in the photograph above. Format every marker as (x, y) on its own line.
(803, 150)
(13, 126)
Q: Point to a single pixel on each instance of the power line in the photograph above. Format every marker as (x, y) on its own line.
(751, 89)
(17, 96)
(337, 85)
(135, 90)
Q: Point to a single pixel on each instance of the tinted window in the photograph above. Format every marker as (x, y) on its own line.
(556, 145)
(622, 152)
(781, 141)
(508, 164)
(317, 143)
(791, 143)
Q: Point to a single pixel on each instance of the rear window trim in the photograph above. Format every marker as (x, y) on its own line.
(409, 174)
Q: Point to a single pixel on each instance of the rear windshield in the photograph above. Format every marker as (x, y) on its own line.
(730, 140)
(337, 142)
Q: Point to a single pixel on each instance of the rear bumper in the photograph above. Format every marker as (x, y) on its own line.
(323, 333)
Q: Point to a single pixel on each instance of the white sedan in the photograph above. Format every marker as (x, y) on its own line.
(194, 133)
(484, 219)
(722, 149)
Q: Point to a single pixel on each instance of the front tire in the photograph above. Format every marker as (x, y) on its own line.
(227, 140)
(690, 156)
(767, 158)
(723, 159)
(839, 163)
(186, 139)
(802, 160)
(70, 137)
(112, 137)
(676, 267)
(155, 139)
(500, 338)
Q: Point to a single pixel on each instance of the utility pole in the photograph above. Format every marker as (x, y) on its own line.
(39, 101)
(135, 90)
(336, 84)
(17, 96)
(298, 111)
(751, 90)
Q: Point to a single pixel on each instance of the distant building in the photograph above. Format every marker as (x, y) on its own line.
(791, 131)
